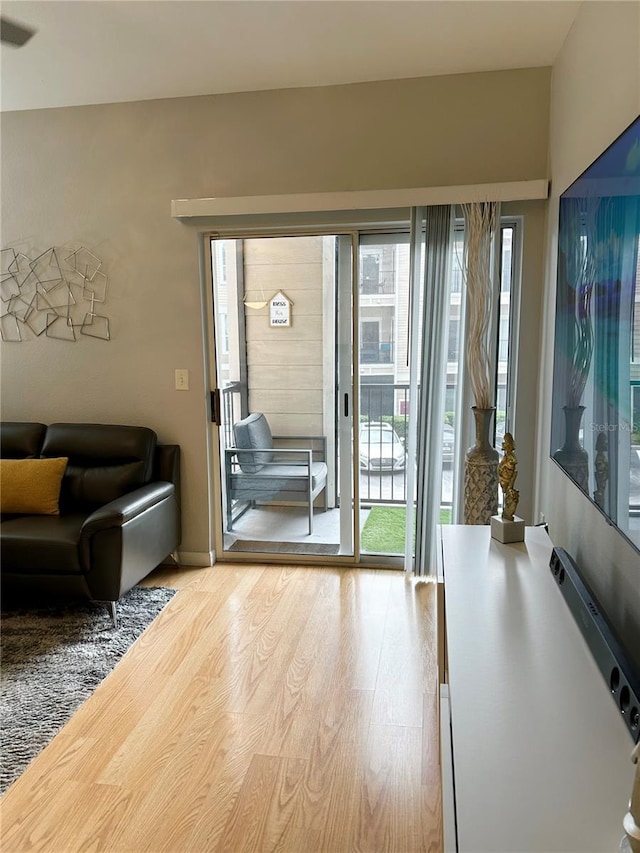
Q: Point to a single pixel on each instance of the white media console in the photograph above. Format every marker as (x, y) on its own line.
(535, 755)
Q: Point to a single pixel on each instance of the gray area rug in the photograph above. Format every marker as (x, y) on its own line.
(52, 659)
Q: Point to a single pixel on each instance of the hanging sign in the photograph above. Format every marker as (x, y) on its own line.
(280, 310)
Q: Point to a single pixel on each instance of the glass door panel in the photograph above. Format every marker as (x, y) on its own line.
(453, 392)
(383, 373)
(282, 338)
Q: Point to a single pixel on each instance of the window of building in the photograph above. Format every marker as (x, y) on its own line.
(370, 272)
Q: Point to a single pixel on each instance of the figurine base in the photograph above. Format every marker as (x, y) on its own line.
(507, 531)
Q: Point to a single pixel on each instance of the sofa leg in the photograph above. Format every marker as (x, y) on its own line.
(113, 612)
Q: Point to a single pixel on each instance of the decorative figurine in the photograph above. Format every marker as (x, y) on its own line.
(508, 527)
(601, 468)
(507, 473)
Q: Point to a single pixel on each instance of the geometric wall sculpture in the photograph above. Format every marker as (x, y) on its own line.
(53, 294)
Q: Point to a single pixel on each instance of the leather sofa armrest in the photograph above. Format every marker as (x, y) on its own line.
(124, 540)
(123, 509)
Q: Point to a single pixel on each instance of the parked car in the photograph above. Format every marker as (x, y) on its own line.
(380, 448)
(448, 439)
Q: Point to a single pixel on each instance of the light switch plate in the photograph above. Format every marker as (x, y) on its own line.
(182, 379)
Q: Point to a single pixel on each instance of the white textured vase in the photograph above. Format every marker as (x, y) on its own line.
(481, 473)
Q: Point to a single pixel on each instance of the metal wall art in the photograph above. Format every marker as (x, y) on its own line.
(53, 294)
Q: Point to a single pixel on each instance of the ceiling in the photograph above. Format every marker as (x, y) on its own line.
(100, 52)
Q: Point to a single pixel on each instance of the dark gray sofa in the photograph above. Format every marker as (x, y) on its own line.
(119, 511)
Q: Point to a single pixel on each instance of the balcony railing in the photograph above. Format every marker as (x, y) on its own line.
(379, 403)
(387, 482)
(381, 284)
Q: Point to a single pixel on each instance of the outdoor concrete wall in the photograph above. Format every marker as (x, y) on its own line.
(595, 96)
(104, 176)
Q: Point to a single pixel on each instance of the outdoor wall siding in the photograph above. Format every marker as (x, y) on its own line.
(104, 176)
(282, 382)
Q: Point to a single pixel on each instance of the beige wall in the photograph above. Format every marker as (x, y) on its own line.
(104, 177)
(595, 95)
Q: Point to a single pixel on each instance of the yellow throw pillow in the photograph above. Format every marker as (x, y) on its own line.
(31, 486)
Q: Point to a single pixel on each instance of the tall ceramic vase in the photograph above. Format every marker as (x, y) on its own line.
(481, 472)
(572, 456)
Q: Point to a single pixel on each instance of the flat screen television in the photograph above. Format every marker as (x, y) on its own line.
(595, 426)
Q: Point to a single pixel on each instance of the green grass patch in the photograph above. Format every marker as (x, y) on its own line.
(384, 529)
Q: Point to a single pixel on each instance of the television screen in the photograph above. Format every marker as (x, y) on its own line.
(595, 428)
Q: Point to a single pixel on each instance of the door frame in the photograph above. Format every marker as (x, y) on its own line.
(354, 233)
(215, 461)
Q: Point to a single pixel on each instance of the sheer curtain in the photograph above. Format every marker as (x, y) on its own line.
(431, 249)
(439, 226)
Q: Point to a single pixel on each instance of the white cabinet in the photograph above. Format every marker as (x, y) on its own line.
(537, 757)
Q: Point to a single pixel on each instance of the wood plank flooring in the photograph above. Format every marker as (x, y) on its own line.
(268, 708)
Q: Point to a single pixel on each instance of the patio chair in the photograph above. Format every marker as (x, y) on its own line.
(260, 468)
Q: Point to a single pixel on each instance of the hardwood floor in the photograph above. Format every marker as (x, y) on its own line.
(267, 708)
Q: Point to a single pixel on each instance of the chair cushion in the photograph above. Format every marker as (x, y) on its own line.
(253, 432)
(42, 544)
(31, 485)
(275, 478)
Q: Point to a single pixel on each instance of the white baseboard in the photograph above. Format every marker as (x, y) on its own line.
(196, 558)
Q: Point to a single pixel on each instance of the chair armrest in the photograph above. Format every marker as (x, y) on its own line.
(232, 451)
(299, 437)
(123, 509)
(306, 456)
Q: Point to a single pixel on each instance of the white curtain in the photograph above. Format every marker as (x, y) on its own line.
(414, 350)
(438, 223)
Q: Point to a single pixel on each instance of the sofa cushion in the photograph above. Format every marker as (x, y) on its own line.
(253, 432)
(42, 544)
(20, 440)
(31, 485)
(106, 461)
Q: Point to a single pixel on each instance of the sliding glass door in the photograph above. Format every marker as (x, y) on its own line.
(313, 333)
(283, 359)
(337, 369)
(387, 469)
